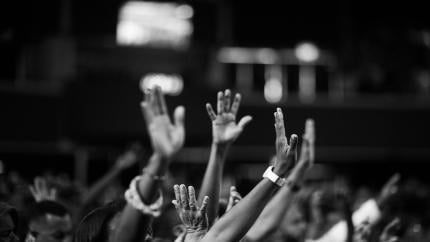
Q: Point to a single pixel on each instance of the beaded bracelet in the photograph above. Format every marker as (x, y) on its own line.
(132, 197)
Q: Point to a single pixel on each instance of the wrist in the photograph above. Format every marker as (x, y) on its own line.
(222, 143)
(220, 148)
(195, 232)
(158, 164)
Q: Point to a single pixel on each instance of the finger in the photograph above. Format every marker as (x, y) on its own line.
(293, 144)
(220, 103)
(244, 121)
(392, 182)
(310, 130)
(192, 197)
(211, 111)
(162, 101)
(233, 189)
(237, 196)
(232, 192)
(147, 95)
(147, 112)
(236, 104)
(279, 123)
(177, 193)
(227, 97)
(33, 191)
(53, 193)
(204, 204)
(152, 104)
(40, 184)
(392, 226)
(176, 204)
(305, 152)
(179, 117)
(157, 102)
(184, 196)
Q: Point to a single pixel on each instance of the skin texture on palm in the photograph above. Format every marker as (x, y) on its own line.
(225, 130)
(167, 139)
(192, 216)
(234, 224)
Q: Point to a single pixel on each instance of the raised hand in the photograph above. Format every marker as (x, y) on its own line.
(41, 192)
(389, 232)
(234, 198)
(193, 217)
(225, 130)
(126, 160)
(309, 136)
(166, 137)
(286, 154)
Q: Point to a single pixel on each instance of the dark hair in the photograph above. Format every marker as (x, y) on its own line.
(94, 226)
(42, 208)
(11, 211)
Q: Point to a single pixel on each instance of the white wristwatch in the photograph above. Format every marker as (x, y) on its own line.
(269, 174)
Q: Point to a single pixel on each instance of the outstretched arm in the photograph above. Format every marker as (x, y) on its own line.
(234, 224)
(123, 162)
(225, 131)
(275, 211)
(166, 139)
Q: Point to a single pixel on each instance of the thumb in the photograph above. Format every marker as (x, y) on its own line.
(179, 116)
(244, 121)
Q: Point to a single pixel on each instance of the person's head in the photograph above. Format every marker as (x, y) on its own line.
(98, 225)
(50, 221)
(295, 223)
(8, 223)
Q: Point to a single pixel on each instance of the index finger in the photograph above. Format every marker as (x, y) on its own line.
(161, 100)
(393, 180)
(177, 196)
(279, 123)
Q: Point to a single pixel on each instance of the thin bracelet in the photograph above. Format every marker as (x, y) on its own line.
(153, 176)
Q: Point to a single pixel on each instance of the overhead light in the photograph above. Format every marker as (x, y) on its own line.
(306, 52)
(155, 24)
(171, 84)
(273, 89)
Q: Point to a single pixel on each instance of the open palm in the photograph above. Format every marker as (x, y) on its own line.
(225, 130)
(193, 217)
(167, 138)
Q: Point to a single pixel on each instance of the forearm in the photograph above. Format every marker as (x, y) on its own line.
(132, 221)
(234, 224)
(272, 215)
(96, 189)
(212, 180)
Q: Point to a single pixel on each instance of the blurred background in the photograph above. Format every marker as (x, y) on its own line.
(72, 74)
